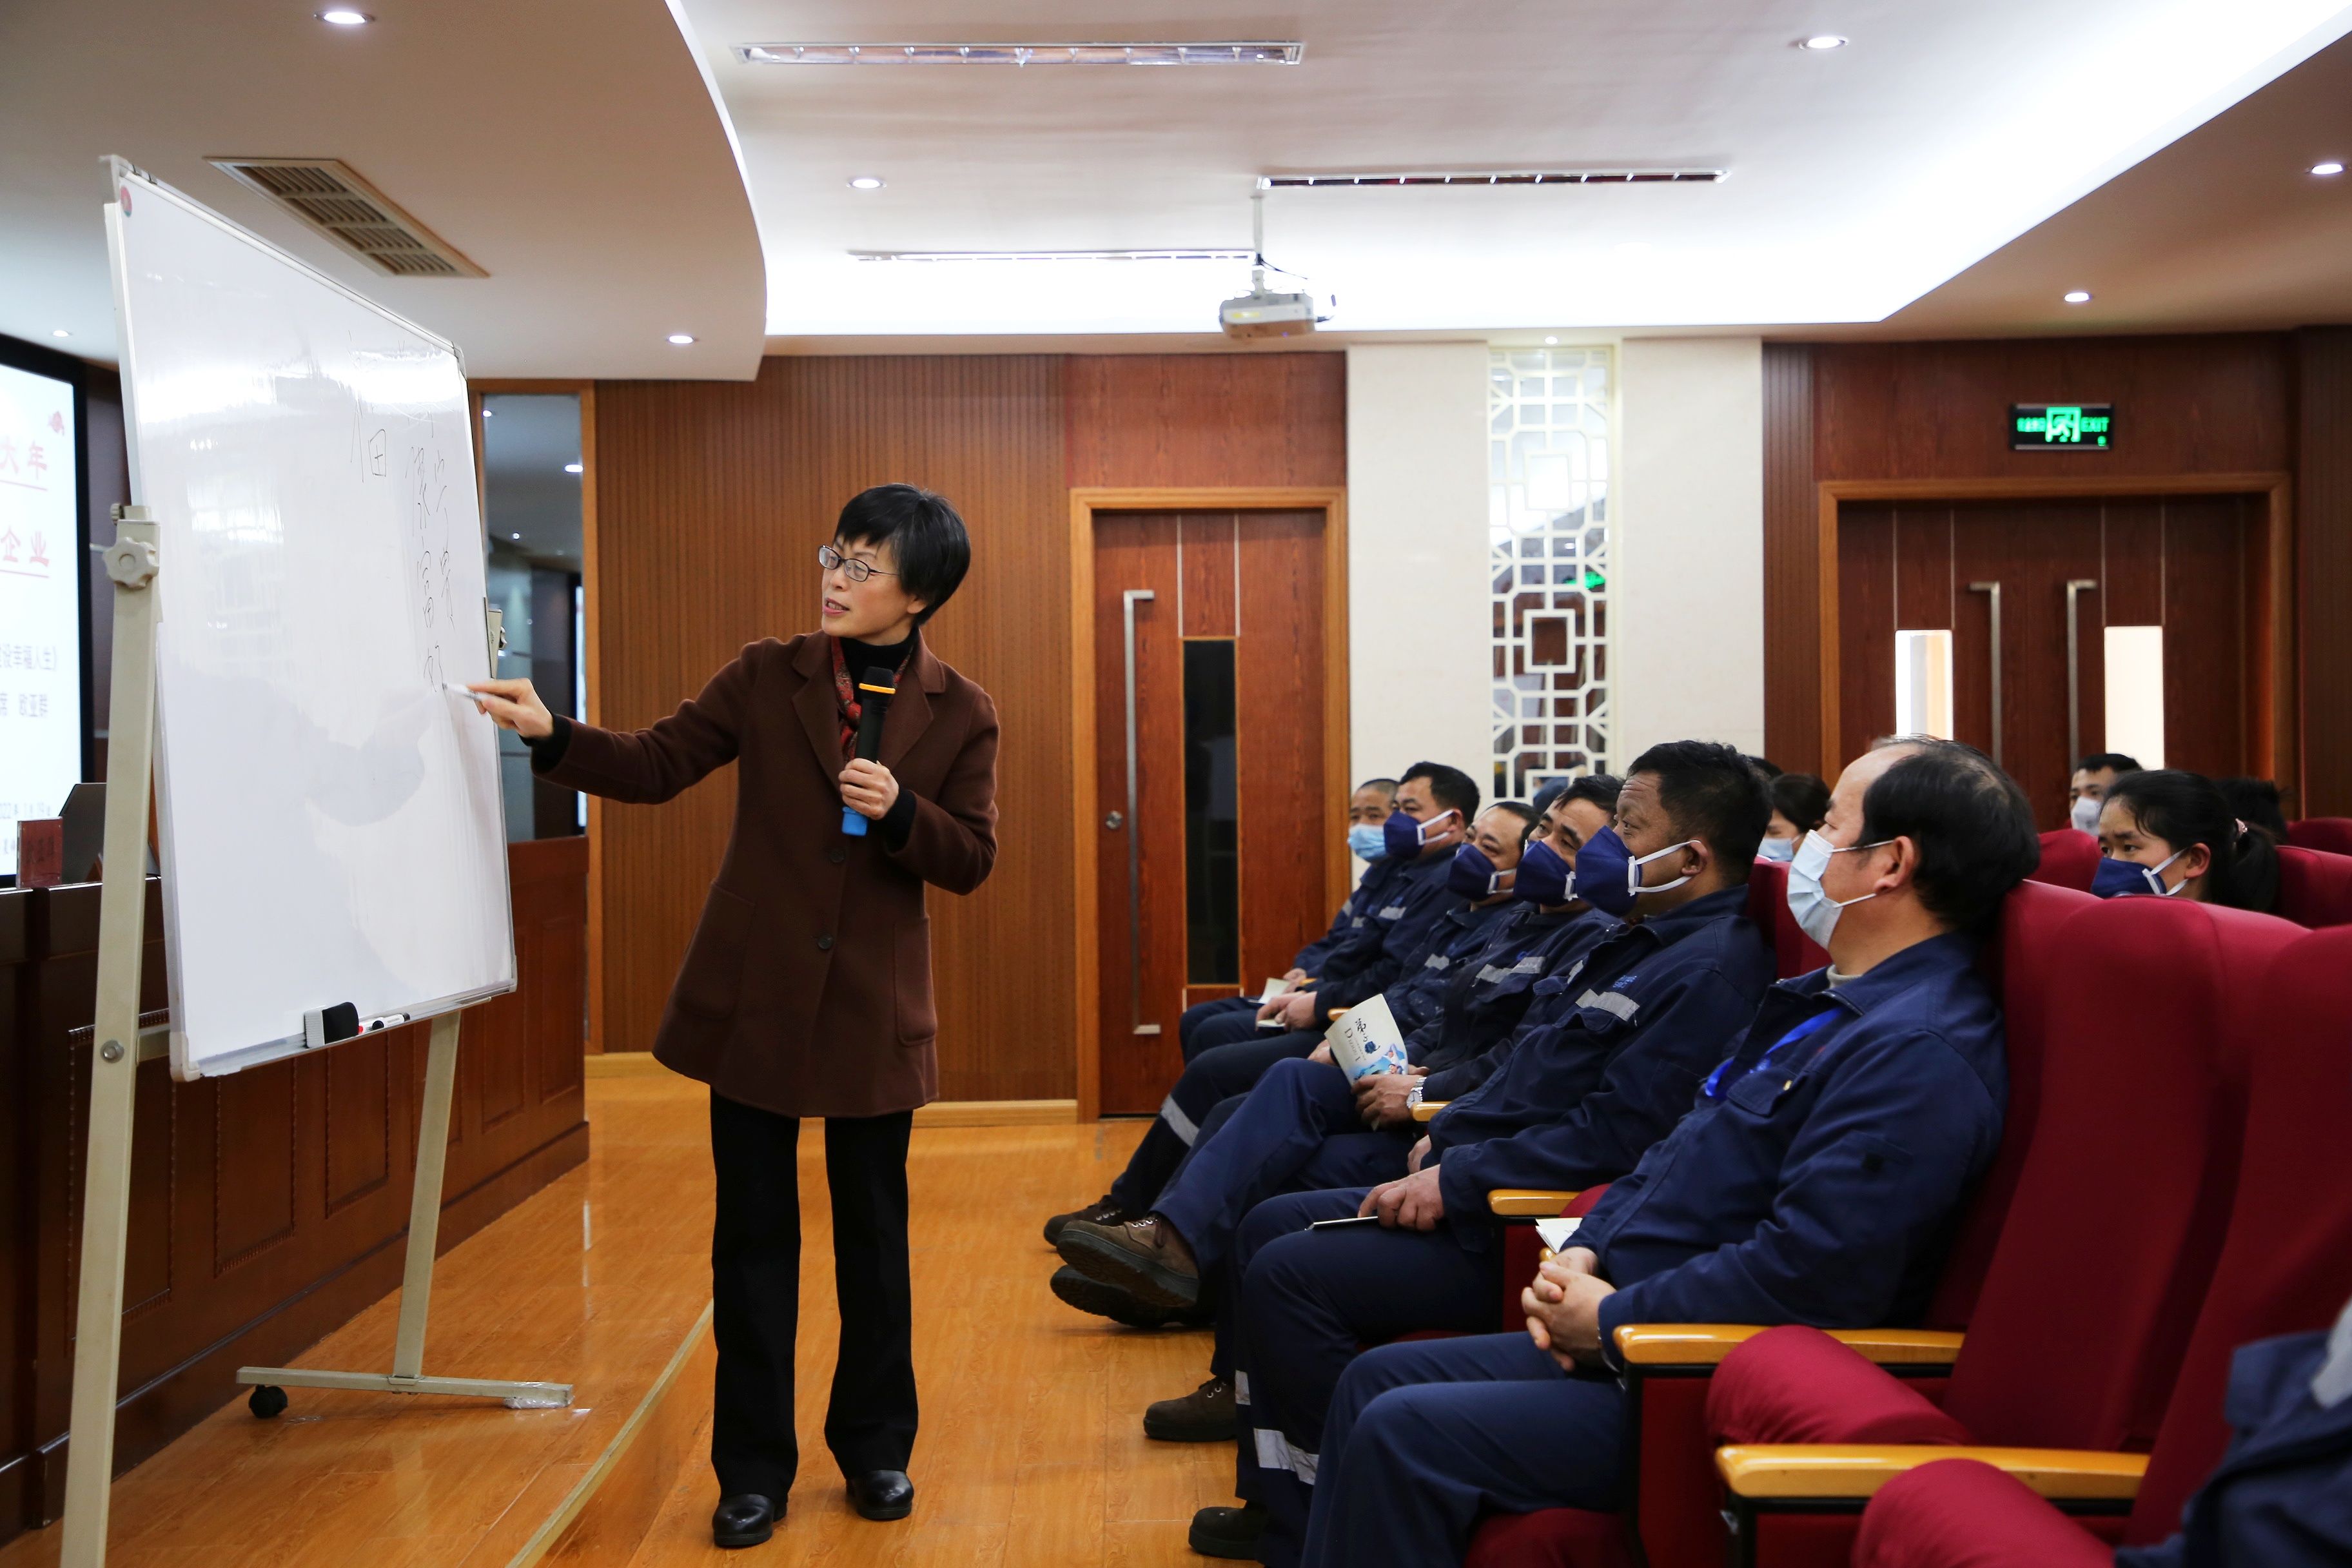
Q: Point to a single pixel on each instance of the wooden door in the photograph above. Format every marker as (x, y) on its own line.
(1227, 833)
(2188, 565)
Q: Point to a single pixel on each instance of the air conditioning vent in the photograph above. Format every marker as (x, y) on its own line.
(1497, 177)
(329, 195)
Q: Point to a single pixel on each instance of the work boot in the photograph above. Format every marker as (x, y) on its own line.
(1110, 1301)
(1228, 1532)
(1144, 1257)
(1206, 1415)
(1102, 1211)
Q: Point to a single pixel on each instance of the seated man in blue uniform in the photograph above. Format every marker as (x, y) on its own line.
(1653, 1009)
(1436, 805)
(1369, 809)
(1816, 1179)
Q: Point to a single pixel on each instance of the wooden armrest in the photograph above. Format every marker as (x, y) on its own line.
(1428, 1109)
(1858, 1470)
(1705, 1344)
(1526, 1203)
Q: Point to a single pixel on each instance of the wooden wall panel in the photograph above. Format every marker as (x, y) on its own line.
(2188, 404)
(2323, 538)
(712, 499)
(1207, 419)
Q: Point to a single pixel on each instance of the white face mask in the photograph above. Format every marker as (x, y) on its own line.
(1816, 912)
(2085, 814)
(1782, 849)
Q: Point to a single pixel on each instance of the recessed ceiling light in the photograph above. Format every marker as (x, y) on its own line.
(59, 332)
(1821, 41)
(2078, 296)
(342, 16)
(681, 339)
(2329, 167)
(864, 182)
(1204, 52)
(487, 413)
(1550, 340)
(568, 469)
(514, 536)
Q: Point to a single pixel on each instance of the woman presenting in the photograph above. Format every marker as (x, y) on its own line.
(807, 989)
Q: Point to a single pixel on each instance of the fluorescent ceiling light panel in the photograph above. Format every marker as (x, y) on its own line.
(1253, 52)
(1495, 177)
(1059, 256)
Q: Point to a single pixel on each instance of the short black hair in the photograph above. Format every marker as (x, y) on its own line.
(1386, 786)
(2100, 762)
(922, 530)
(1548, 795)
(1712, 793)
(1803, 799)
(1767, 766)
(2257, 803)
(2184, 808)
(1601, 789)
(1973, 827)
(1450, 788)
(1525, 813)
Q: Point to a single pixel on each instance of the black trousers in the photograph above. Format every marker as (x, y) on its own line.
(755, 1277)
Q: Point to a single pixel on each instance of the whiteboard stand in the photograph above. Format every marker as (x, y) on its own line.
(132, 562)
(407, 1374)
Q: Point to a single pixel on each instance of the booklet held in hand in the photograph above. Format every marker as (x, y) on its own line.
(1365, 1039)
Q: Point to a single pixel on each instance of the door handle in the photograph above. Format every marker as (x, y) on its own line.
(1132, 597)
(2075, 588)
(1994, 591)
(1114, 822)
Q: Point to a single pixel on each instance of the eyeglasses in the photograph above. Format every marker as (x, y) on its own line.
(855, 570)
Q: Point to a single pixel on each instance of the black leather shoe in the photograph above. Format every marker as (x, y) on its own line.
(747, 1519)
(1229, 1533)
(882, 1494)
(1119, 1306)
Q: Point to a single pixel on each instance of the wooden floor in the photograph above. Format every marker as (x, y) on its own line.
(1031, 1450)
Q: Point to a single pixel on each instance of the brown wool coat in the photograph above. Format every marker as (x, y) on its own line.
(807, 989)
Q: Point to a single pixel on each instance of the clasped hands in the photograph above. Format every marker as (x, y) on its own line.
(1563, 1307)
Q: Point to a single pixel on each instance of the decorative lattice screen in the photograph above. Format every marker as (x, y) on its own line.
(1548, 467)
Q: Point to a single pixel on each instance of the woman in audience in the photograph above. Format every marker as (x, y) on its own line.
(1799, 802)
(2168, 831)
(2256, 804)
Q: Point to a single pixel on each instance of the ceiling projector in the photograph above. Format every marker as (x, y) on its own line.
(1261, 312)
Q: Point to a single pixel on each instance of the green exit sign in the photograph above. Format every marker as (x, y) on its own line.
(2060, 427)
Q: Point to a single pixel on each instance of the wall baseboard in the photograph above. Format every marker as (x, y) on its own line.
(939, 1113)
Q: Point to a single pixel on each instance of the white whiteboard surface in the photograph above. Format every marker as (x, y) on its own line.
(331, 821)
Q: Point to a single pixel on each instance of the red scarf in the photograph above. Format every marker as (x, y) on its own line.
(846, 707)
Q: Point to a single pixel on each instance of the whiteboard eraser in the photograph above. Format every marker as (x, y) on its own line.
(325, 1025)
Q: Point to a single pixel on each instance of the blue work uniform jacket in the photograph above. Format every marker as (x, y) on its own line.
(1817, 1180)
(2282, 1496)
(1394, 936)
(1656, 1006)
(1493, 1002)
(1457, 940)
(1370, 890)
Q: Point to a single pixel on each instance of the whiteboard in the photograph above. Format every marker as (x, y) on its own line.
(329, 819)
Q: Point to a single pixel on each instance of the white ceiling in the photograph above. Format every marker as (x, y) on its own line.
(575, 153)
(1860, 178)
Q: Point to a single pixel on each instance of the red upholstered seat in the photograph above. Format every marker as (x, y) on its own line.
(2332, 834)
(1793, 952)
(1674, 1484)
(2113, 1232)
(2069, 859)
(2315, 886)
(1793, 1385)
(2285, 1267)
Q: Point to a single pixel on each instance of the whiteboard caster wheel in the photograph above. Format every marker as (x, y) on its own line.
(267, 1400)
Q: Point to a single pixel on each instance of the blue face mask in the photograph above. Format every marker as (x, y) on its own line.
(1472, 876)
(1609, 877)
(1365, 841)
(1404, 836)
(1782, 849)
(1543, 875)
(2115, 879)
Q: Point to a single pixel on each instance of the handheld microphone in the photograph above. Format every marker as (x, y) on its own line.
(875, 690)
